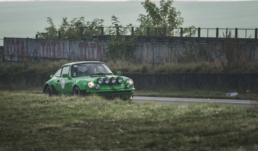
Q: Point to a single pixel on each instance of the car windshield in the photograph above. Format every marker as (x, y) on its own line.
(90, 69)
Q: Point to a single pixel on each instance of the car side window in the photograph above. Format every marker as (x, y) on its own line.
(58, 73)
(65, 70)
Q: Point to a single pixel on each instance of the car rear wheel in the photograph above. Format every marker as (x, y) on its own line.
(48, 91)
(76, 91)
(128, 99)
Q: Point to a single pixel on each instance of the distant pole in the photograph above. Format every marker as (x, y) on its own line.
(81, 32)
(102, 30)
(164, 31)
(117, 29)
(59, 34)
(3, 56)
(236, 33)
(153, 56)
(255, 33)
(199, 32)
(3, 53)
(148, 31)
(132, 31)
(181, 32)
(37, 36)
(217, 32)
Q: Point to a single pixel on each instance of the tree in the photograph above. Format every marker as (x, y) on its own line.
(164, 18)
(119, 48)
(77, 28)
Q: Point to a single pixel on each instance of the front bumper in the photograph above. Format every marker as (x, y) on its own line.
(117, 93)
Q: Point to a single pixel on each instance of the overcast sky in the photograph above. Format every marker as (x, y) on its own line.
(118, 0)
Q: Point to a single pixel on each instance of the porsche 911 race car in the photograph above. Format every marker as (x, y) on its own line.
(89, 77)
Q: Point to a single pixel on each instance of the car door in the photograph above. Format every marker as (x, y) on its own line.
(57, 79)
(66, 81)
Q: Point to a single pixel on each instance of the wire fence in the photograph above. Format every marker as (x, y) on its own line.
(86, 32)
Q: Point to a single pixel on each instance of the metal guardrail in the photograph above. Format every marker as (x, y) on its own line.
(199, 32)
(246, 33)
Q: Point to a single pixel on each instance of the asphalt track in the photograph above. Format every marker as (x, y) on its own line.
(170, 100)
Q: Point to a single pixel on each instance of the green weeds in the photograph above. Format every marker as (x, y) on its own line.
(37, 122)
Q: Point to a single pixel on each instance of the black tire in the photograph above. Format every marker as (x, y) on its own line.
(48, 91)
(127, 99)
(76, 91)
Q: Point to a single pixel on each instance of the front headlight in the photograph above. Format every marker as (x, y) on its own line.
(97, 86)
(113, 80)
(91, 85)
(100, 80)
(129, 83)
(119, 80)
(106, 80)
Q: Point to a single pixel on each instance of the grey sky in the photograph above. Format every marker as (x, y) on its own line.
(117, 0)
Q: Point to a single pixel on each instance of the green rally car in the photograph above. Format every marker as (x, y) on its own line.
(89, 77)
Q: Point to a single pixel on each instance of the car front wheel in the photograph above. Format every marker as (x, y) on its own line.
(76, 91)
(48, 91)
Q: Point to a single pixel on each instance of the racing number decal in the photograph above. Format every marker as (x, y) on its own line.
(63, 83)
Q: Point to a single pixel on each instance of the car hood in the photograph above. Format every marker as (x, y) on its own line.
(95, 77)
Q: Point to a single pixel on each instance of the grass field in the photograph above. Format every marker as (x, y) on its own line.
(37, 122)
(162, 92)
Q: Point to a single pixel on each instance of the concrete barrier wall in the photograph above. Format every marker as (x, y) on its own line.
(184, 81)
(18, 49)
(170, 49)
(147, 49)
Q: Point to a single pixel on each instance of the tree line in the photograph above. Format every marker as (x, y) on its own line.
(159, 16)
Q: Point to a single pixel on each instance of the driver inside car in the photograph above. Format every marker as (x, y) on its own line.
(75, 71)
(91, 70)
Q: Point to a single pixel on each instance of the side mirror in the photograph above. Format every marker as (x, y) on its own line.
(118, 73)
(65, 75)
(51, 76)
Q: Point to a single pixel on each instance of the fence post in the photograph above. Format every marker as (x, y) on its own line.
(153, 53)
(236, 33)
(2, 49)
(148, 31)
(117, 29)
(164, 31)
(102, 30)
(81, 29)
(59, 35)
(199, 32)
(3, 55)
(181, 32)
(255, 33)
(132, 31)
(217, 32)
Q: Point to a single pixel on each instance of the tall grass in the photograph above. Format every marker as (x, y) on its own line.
(37, 122)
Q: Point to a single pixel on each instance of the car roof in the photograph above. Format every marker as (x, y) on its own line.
(79, 62)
